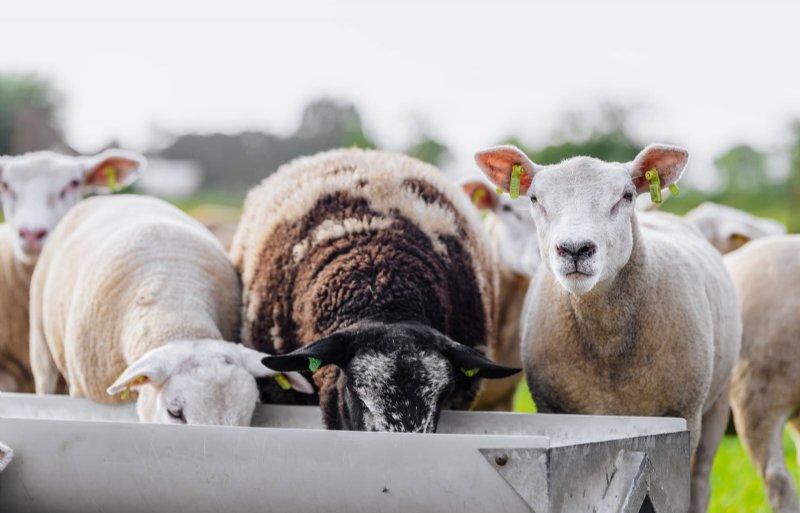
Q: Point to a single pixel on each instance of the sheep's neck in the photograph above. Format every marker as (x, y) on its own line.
(606, 318)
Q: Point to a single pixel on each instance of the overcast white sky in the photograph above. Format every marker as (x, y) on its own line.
(710, 74)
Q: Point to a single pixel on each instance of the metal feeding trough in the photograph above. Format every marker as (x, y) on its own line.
(72, 455)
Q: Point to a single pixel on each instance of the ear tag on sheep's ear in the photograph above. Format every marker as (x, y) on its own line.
(516, 172)
(470, 372)
(314, 363)
(283, 381)
(674, 189)
(135, 381)
(499, 191)
(111, 175)
(477, 196)
(655, 185)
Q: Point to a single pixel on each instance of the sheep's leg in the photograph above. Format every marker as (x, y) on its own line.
(761, 433)
(45, 372)
(712, 429)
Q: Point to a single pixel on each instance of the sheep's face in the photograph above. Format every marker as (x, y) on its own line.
(583, 207)
(517, 236)
(199, 382)
(394, 377)
(37, 189)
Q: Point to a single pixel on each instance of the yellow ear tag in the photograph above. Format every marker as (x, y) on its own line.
(674, 189)
(477, 196)
(111, 175)
(499, 191)
(655, 185)
(470, 372)
(283, 381)
(516, 172)
(135, 381)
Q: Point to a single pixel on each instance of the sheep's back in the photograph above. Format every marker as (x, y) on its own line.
(124, 275)
(349, 234)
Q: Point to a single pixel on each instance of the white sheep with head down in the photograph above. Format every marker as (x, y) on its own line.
(635, 314)
(728, 228)
(36, 190)
(131, 281)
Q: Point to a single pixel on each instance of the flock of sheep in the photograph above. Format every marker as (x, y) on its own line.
(371, 284)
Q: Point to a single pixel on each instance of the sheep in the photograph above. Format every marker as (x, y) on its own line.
(764, 387)
(632, 314)
(728, 228)
(36, 190)
(512, 234)
(370, 270)
(130, 286)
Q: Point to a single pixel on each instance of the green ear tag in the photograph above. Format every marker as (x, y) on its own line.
(655, 185)
(499, 191)
(111, 175)
(314, 363)
(516, 172)
(674, 189)
(470, 372)
(283, 381)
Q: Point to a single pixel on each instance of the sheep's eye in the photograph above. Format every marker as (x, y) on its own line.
(533, 199)
(177, 414)
(506, 208)
(628, 196)
(74, 184)
(4, 186)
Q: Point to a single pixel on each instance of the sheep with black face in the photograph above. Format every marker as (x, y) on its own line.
(369, 269)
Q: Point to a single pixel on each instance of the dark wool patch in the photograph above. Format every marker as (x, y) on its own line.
(392, 274)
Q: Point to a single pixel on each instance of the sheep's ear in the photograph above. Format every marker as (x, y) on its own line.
(335, 349)
(498, 165)
(151, 369)
(482, 196)
(111, 169)
(250, 360)
(471, 362)
(669, 161)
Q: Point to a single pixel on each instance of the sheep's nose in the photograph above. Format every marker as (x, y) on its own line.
(32, 237)
(576, 250)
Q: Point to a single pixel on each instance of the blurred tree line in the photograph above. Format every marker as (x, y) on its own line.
(232, 163)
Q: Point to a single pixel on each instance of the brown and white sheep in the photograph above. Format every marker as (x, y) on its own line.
(376, 264)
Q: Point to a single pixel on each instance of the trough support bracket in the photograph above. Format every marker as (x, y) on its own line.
(633, 487)
(525, 470)
(6, 455)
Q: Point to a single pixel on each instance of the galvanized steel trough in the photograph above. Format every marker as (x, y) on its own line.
(72, 455)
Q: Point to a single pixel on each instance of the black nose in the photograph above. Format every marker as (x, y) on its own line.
(576, 250)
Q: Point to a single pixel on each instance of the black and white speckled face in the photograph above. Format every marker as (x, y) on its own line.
(400, 389)
(392, 377)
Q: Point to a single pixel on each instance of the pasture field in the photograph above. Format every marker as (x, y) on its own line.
(735, 485)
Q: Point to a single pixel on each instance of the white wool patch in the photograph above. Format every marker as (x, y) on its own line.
(330, 230)
(375, 385)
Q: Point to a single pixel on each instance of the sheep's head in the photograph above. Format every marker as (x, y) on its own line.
(199, 382)
(37, 189)
(518, 242)
(393, 377)
(583, 207)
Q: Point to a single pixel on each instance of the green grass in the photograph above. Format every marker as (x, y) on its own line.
(735, 486)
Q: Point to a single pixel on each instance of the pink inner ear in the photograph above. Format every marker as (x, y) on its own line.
(497, 164)
(668, 160)
(122, 166)
(481, 195)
